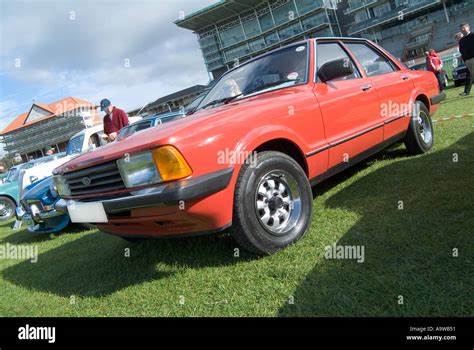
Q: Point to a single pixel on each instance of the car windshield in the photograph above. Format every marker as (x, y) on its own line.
(75, 145)
(282, 68)
(12, 175)
(191, 107)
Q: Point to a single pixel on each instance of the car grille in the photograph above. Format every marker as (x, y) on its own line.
(100, 178)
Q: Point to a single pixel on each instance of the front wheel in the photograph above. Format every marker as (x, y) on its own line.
(272, 203)
(420, 135)
(7, 208)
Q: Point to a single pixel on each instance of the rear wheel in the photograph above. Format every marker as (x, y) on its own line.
(457, 83)
(272, 203)
(420, 135)
(7, 208)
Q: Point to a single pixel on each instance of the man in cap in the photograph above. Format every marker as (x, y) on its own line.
(115, 119)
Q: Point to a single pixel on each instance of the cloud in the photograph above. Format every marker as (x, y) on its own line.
(128, 51)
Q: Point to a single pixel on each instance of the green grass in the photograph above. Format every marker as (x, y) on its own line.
(408, 252)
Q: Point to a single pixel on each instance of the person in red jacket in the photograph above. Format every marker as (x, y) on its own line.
(115, 119)
(435, 65)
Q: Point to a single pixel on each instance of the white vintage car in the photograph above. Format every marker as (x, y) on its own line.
(84, 141)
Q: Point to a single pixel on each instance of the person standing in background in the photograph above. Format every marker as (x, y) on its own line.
(114, 120)
(468, 84)
(434, 64)
(466, 48)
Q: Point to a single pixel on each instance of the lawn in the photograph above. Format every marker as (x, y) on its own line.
(410, 253)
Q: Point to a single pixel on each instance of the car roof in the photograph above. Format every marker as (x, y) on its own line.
(305, 41)
(92, 129)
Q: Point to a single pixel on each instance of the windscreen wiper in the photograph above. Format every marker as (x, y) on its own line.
(269, 85)
(224, 100)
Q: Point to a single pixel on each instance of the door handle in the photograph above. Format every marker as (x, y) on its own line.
(366, 87)
(404, 77)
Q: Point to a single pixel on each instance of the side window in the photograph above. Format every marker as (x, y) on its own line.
(373, 62)
(327, 52)
(94, 141)
(101, 140)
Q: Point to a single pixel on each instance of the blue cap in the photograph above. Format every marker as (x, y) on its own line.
(104, 104)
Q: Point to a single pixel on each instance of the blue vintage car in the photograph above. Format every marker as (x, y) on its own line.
(37, 208)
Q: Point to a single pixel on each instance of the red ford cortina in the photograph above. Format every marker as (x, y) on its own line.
(248, 155)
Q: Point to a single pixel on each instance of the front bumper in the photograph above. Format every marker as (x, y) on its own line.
(158, 210)
(45, 222)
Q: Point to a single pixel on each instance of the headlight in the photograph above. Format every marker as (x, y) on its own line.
(53, 190)
(159, 165)
(62, 187)
(455, 74)
(138, 169)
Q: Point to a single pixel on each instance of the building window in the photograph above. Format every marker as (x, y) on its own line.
(237, 52)
(361, 16)
(266, 21)
(257, 45)
(380, 10)
(290, 31)
(251, 27)
(271, 39)
(305, 6)
(232, 35)
(314, 21)
(284, 13)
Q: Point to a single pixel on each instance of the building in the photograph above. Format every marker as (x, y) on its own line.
(232, 31)
(47, 125)
(172, 102)
(407, 28)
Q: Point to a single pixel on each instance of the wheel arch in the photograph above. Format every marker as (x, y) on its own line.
(9, 197)
(423, 99)
(287, 147)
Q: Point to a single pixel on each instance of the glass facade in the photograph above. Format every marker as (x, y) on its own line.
(268, 25)
(383, 11)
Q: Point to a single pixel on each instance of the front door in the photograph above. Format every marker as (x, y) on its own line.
(350, 108)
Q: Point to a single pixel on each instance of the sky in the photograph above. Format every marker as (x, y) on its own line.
(128, 51)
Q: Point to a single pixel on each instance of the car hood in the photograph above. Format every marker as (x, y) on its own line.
(168, 133)
(174, 131)
(38, 189)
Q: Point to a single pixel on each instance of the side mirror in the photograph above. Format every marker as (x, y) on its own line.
(335, 69)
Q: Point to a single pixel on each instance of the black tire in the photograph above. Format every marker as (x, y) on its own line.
(420, 135)
(457, 83)
(8, 208)
(249, 229)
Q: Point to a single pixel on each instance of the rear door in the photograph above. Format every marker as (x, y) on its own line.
(350, 108)
(393, 85)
